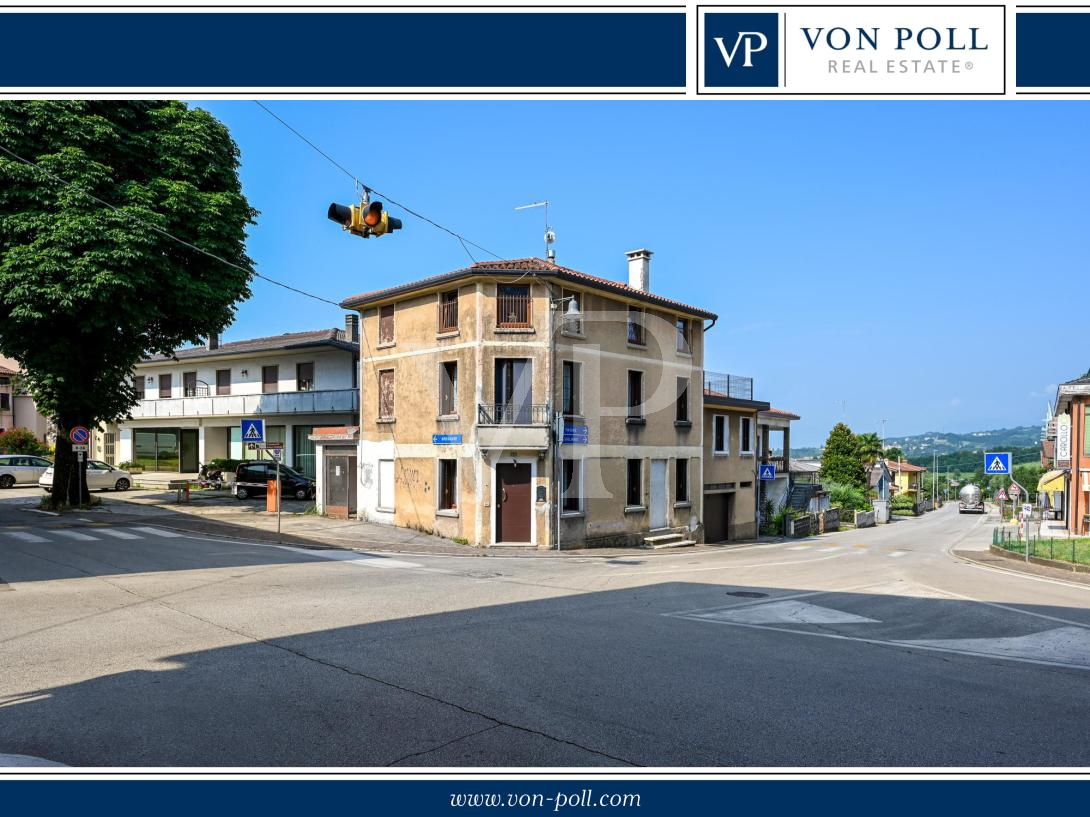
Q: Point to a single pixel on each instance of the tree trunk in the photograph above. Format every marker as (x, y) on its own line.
(69, 473)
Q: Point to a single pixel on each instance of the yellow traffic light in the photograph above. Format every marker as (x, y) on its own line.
(369, 219)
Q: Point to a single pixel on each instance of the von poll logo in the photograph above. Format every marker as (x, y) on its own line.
(742, 50)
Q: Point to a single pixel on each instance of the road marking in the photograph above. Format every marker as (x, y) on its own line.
(119, 534)
(1009, 608)
(828, 550)
(897, 554)
(784, 612)
(732, 567)
(160, 532)
(36, 510)
(26, 537)
(71, 534)
(801, 547)
(1066, 646)
(352, 557)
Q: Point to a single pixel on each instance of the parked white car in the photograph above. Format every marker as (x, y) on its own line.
(21, 469)
(100, 476)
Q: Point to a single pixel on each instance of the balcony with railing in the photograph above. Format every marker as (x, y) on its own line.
(327, 401)
(718, 384)
(514, 307)
(513, 426)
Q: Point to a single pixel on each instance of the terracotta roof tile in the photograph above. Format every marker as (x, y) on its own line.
(527, 265)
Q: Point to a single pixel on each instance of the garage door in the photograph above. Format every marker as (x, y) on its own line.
(716, 514)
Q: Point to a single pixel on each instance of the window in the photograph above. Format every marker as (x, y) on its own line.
(572, 326)
(1085, 431)
(683, 336)
(189, 384)
(5, 401)
(746, 435)
(681, 481)
(513, 308)
(571, 388)
(448, 311)
(355, 373)
(635, 326)
(448, 485)
(386, 394)
(572, 486)
(109, 447)
(682, 408)
(448, 389)
(386, 324)
(303, 453)
(635, 394)
(223, 381)
(164, 386)
(719, 434)
(304, 376)
(634, 494)
(138, 384)
(270, 379)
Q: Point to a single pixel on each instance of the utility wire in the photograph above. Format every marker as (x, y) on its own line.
(161, 231)
(464, 241)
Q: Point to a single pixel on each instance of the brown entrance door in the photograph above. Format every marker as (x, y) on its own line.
(513, 502)
(339, 490)
(717, 517)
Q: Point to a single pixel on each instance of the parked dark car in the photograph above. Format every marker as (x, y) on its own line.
(251, 479)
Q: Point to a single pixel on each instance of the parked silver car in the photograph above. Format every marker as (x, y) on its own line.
(21, 469)
(100, 476)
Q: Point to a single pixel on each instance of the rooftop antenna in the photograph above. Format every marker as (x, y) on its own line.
(550, 235)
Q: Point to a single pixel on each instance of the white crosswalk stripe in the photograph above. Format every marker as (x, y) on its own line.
(169, 534)
(353, 557)
(72, 534)
(897, 553)
(25, 537)
(117, 534)
(828, 550)
(801, 547)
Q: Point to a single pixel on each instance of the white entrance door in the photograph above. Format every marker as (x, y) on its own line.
(658, 494)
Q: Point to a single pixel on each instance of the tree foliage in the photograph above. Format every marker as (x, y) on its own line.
(840, 461)
(894, 454)
(86, 291)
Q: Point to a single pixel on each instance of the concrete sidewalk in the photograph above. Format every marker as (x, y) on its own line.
(218, 513)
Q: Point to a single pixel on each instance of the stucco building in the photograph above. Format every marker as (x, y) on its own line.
(1071, 451)
(492, 390)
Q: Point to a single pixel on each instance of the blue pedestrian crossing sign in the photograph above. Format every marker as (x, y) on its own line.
(253, 430)
(997, 463)
(768, 471)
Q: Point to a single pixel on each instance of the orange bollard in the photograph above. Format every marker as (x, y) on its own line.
(271, 499)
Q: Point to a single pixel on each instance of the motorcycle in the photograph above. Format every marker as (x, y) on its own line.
(211, 477)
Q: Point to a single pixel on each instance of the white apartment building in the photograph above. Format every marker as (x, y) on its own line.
(192, 402)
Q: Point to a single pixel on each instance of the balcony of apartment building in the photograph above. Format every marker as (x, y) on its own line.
(727, 386)
(513, 426)
(199, 401)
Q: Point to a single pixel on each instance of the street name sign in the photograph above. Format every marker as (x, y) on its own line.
(768, 471)
(446, 439)
(997, 463)
(253, 430)
(576, 435)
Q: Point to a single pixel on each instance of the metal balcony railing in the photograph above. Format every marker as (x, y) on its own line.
(312, 402)
(448, 315)
(718, 384)
(496, 414)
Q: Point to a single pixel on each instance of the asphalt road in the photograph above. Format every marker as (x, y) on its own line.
(129, 644)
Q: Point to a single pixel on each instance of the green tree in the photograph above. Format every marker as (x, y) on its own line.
(21, 441)
(840, 460)
(87, 290)
(869, 447)
(894, 454)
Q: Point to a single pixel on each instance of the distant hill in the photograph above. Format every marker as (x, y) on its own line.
(920, 446)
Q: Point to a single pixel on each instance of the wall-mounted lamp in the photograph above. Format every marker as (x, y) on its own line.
(245, 373)
(150, 379)
(573, 308)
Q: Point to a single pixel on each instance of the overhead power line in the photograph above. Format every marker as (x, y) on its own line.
(461, 238)
(137, 220)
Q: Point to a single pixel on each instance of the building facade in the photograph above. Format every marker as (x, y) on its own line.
(191, 404)
(1071, 451)
(17, 408)
(732, 453)
(494, 390)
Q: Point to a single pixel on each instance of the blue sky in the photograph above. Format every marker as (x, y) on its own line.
(912, 261)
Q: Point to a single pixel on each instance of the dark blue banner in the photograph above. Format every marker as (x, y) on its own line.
(646, 798)
(343, 51)
(1051, 50)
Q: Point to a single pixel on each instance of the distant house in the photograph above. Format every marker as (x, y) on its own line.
(17, 408)
(907, 478)
(880, 480)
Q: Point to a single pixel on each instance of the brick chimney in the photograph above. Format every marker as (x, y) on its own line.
(352, 328)
(213, 341)
(639, 269)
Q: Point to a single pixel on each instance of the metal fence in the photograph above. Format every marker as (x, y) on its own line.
(720, 384)
(1063, 549)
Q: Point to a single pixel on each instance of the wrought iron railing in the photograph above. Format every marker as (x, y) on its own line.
(718, 384)
(514, 307)
(448, 315)
(495, 414)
